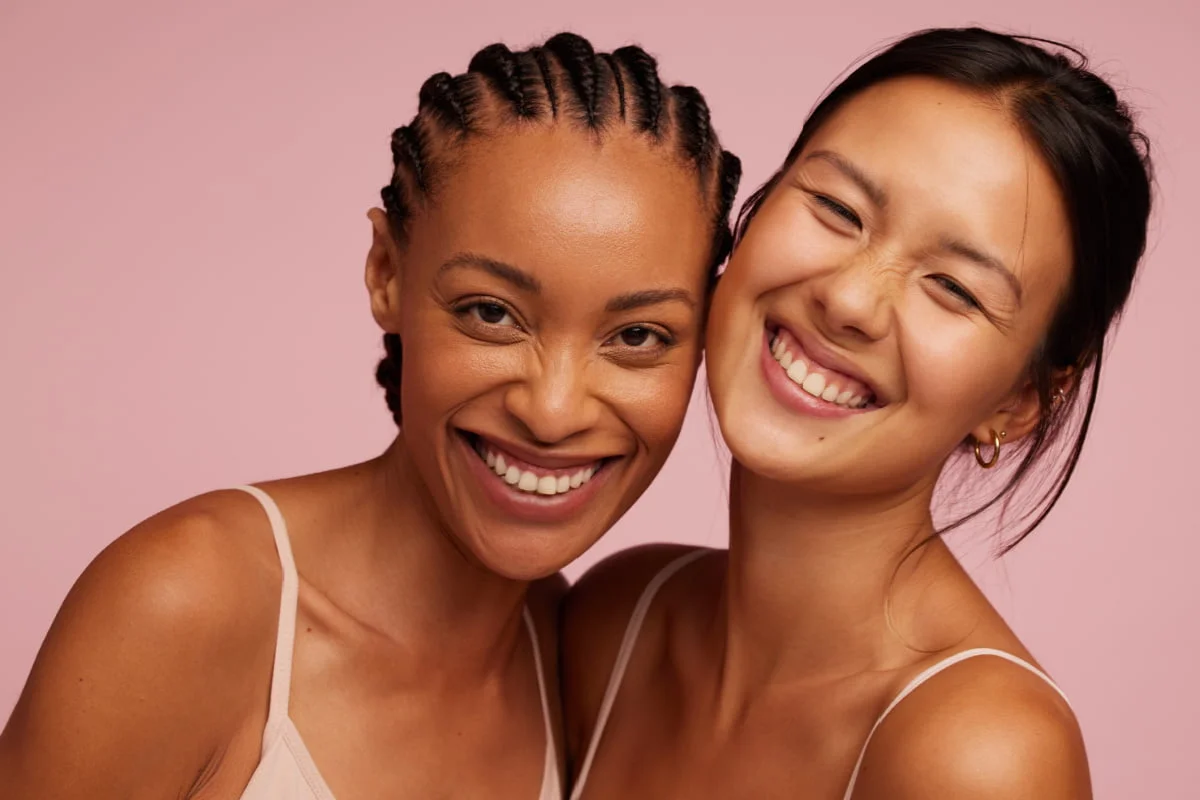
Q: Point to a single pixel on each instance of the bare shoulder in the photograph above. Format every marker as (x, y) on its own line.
(157, 642)
(984, 728)
(595, 614)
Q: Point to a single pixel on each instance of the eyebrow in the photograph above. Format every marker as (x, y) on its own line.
(649, 297)
(966, 251)
(505, 272)
(848, 168)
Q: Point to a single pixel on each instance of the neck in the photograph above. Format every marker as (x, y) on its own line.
(394, 567)
(811, 579)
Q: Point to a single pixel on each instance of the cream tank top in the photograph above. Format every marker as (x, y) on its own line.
(286, 770)
(635, 626)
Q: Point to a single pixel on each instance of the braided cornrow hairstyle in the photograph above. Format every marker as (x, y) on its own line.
(563, 80)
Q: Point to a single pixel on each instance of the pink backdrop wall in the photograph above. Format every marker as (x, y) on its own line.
(181, 240)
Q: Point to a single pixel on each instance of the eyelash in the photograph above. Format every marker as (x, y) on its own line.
(959, 293)
(949, 285)
(466, 309)
(840, 210)
(665, 340)
(472, 308)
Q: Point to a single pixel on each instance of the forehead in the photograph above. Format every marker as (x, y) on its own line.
(954, 162)
(560, 201)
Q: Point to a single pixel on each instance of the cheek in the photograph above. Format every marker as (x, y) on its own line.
(443, 369)
(785, 245)
(956, 368)
(652, 402)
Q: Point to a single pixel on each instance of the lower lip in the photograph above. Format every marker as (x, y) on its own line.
(791, 395)
(530, 506)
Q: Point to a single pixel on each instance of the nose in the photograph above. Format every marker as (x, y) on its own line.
(554, 402)
(855, 300)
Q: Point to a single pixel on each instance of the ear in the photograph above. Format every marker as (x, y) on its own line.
(383, 273)
(1020, 412)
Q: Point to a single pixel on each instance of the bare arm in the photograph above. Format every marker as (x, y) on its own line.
(147, 669)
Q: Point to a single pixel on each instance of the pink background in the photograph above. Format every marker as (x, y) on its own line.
(182, 231)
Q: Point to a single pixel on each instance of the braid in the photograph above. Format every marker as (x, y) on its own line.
(643, 70)
(387, 374)
(534, 85)
(441, 97)
(729, 175)
(692, 124)
(618, 81)
(543, 64)
(498, 64)
(576, 56)
(407, 151)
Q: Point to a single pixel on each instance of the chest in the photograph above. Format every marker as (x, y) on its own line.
(377, 724)
(378, 721)
(801, 746)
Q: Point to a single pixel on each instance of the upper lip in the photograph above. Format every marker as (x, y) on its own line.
(827, 358)
(540, 458)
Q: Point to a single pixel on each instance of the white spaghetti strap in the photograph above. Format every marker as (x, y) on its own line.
(285, 639)
(937, 668)
(551, 786)
(623, 655)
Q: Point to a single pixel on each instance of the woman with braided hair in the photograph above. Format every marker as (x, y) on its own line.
(540, 268)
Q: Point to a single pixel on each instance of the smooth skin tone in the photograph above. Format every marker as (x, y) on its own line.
(549, 300)
(919, 244)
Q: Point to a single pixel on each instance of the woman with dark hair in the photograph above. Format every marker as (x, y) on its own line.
(545, 253)
(931, 273)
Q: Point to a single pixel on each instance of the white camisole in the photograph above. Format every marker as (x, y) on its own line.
(286, 770)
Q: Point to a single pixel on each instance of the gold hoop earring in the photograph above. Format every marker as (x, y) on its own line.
(991, 462)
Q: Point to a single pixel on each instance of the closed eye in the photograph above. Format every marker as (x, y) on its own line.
(955, 290)
(840, 210)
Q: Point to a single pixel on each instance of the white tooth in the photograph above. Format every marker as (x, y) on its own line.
(814, 384)
(797, 371)
(830, 394)
(528, 482)
(512, 476)
(786, 359)
(588, 473)
(856, 401)
(547, 484)
(776, 346)
(490, 458)
(500, 466)
(576, 479)
(564, 483)
(844, 397)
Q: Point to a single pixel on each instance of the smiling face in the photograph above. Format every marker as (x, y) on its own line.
(889, 294)
(550, 303)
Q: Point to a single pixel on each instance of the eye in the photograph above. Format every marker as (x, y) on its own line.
(958, 292)
(641, 341)
(488, 313)
(637, 336)
(839, 210)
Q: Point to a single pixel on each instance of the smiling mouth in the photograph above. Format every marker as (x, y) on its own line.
(527, 478)
(823, 383)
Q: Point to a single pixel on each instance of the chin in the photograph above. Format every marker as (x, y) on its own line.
(527, 555)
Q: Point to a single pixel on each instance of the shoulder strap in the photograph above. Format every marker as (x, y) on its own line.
(281, 676)
(922, 678)
(623, 655)
(551, 785)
